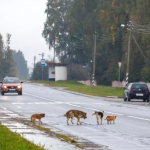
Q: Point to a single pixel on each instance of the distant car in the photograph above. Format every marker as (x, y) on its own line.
(136, 91)
(11, 85)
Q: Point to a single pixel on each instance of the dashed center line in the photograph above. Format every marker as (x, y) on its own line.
(73, 105)
(113, 113)
(139, 118)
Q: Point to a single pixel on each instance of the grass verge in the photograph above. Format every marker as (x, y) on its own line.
(103, 91)
(13, 141)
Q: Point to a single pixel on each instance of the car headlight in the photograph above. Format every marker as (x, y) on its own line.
(4, 86)
(19, 86)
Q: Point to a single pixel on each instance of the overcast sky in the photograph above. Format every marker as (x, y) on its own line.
(24, 19)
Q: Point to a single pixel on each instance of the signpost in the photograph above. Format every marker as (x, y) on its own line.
(43, 63)
(119, 63)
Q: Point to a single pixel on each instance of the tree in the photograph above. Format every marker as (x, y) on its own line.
(21, 65)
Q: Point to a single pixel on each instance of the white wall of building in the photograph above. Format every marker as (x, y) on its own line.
(51, 75)
(60, 73)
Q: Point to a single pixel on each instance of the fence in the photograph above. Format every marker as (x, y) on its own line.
(123, 84)
(88, 82)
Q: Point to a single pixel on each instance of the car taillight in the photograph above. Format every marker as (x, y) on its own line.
(147, 91)
(131, 90)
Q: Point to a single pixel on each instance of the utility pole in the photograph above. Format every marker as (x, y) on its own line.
(128, 54)
(42, 66)
(34, 61)
(94, 56)
(54, 51)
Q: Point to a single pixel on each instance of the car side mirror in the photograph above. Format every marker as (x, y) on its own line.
(21, 82)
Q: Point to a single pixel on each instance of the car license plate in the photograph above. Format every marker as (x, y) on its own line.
(12, 89)
(139, 94)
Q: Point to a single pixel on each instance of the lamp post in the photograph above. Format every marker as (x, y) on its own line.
(42, 66)
(119, 63)
(94, 55)
(128, 53)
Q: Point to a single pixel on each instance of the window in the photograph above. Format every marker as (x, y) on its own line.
(139, 86)
(11, 80)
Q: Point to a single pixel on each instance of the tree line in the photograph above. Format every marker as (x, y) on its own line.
(72, 26)
(12, 63)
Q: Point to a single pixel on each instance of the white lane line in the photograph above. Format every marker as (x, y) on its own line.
(18, 103)
(37, 103)
(59, 102)
(39, 97)
(29, 103)
(98, 104)
(51, 100)
(43, 103)
(113, 113)
(139, 118)
(50, 103)
(73, 105)
(89, 128)
(104, 111)
(91, 109)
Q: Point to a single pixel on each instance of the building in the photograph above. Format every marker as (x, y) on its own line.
(57, 71)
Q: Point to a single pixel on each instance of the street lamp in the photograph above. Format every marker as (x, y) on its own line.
(42, 66)
(128, 53)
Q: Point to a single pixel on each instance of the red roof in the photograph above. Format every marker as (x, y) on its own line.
(61, 64)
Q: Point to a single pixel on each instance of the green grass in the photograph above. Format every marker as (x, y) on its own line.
(90, 90)
(13, 141)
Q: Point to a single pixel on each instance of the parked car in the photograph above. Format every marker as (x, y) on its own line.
(11, 85)
(136, 91)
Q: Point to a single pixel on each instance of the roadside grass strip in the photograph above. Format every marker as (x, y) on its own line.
(13, 141)
(74, 86)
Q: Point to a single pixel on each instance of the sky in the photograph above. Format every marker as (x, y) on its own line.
(24, 20)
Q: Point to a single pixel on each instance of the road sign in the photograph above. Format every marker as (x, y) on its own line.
(43, 62)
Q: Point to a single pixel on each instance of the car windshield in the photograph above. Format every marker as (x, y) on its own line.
(11, 80)
(139, 86)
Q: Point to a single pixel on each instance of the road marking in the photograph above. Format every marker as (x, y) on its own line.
(29, 103)
(139, 118)
(39, 97)
(73, 105)
(91, 109)
(18, 103)
(51, 100)
(37, 103)
(50, 103)
(43, 103)
(113, 113)
(89, 128)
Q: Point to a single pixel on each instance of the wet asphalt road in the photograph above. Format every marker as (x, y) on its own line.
(131, 130)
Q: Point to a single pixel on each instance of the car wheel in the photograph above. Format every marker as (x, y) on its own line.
(129, 99)
(147, 100)
(20, 93)
(125, 99)
(144, 100)
(2, 93)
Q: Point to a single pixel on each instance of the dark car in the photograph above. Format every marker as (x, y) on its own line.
(136, 91)
(11, 85)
